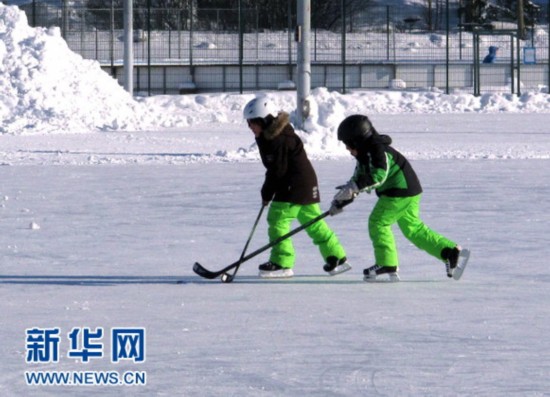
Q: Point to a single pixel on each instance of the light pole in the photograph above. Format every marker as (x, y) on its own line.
(302, 36)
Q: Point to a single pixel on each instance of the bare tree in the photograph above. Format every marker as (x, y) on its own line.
(484, 12)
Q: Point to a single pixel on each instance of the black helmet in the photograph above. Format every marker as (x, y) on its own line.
(354, 130)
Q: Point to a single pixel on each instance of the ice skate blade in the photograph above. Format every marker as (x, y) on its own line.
(344, 267)
(392, 278)
(283, 273)
(463, 258)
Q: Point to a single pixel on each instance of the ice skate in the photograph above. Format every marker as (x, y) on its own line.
(456, 260)
(273, 270)
(336, 266)
(373, 273)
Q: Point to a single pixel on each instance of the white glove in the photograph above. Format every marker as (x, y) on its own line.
(347, 192)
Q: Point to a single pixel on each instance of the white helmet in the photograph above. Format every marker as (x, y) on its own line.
(259, 108)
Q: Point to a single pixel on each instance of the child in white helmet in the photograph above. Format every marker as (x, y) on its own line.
(290, 186)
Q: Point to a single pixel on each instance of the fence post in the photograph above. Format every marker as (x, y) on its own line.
(191, 27)
(64, 19)
(304, 60)
(447, 45)
(388, 26)
(343, 50)
(476, 63)
(128, 47)
(289, 36)
(241, 44)
(149, 47)
(112, 40)
(34, 13)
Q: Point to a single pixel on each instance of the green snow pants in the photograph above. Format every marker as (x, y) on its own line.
(279, 219)
(405, 211)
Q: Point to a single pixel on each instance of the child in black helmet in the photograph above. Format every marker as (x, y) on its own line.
(386, 171)
(291, 187)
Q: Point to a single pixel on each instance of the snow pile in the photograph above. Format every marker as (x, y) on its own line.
(48, 88)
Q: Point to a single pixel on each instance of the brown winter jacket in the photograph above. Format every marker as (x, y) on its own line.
(290, 177)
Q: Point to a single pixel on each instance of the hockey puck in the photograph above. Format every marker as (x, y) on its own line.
(226, 278)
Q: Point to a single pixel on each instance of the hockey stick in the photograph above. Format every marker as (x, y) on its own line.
(226, 277)
(203, 272)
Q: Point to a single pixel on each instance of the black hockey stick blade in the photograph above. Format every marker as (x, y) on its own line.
(205, 273)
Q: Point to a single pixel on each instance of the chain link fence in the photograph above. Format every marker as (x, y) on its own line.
(370, 47)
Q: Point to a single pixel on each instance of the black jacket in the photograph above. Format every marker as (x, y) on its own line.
(290, 177)
(382, 168)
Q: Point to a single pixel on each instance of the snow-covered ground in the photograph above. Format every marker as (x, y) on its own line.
(104, 209)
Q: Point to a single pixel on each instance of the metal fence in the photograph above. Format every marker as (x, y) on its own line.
(373, 48)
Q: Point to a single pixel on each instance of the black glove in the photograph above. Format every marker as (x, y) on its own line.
(337, 206)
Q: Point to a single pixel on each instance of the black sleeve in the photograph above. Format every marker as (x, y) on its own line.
(276, 163)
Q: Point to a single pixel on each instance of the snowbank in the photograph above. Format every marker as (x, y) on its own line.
(48, 88)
